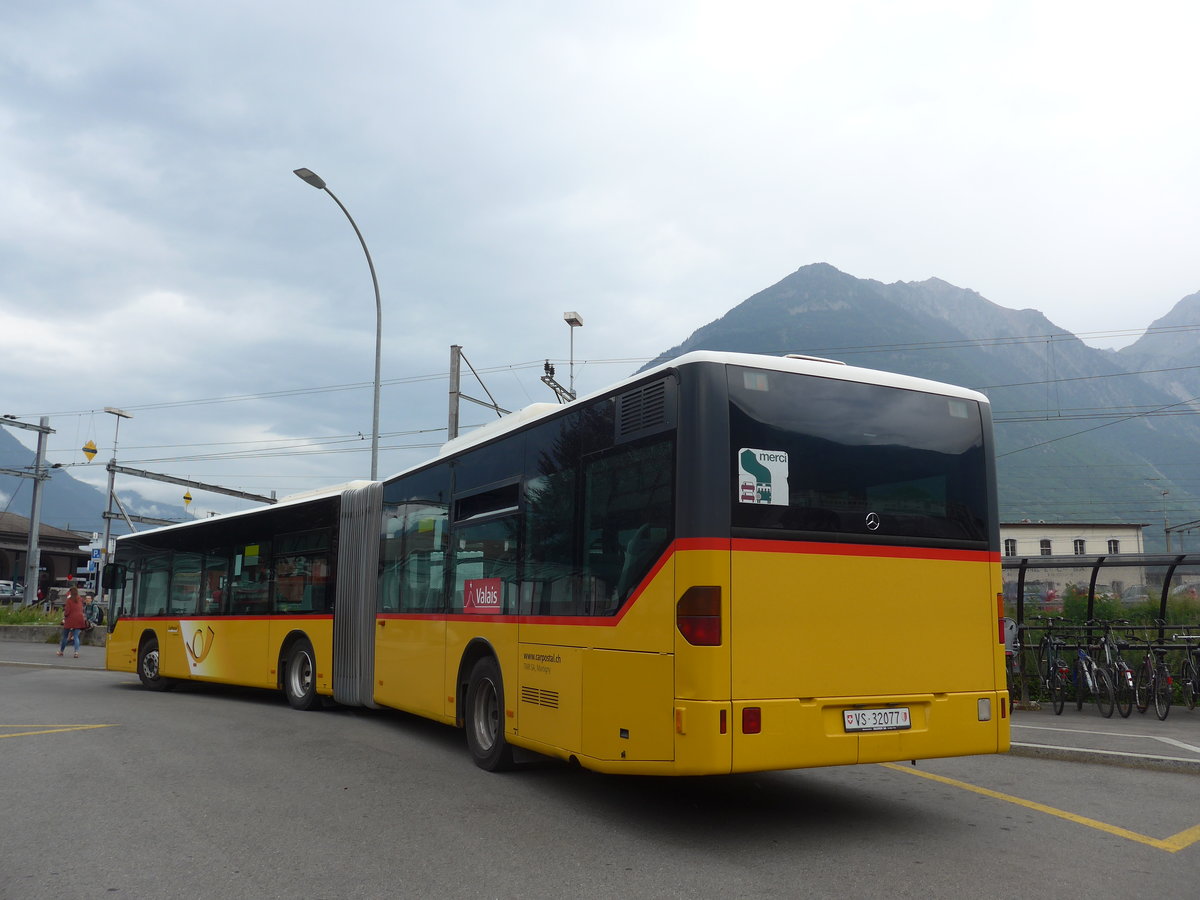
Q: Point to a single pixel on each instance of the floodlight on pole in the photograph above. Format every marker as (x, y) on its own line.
(308, 176)
(574, 320)
(112, 474)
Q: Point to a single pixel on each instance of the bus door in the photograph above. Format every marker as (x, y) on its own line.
(410, 632)
(239, 638)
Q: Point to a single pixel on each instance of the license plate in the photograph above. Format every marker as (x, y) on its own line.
(893, 718)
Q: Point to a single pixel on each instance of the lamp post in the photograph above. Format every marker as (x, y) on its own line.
(112, 474)
(308, 176)
(574, 320)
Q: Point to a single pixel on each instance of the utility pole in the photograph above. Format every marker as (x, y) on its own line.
(1166, 525)
(33, 556)
(457, 396)
(33, 553)
(118, 414)
(455, 379)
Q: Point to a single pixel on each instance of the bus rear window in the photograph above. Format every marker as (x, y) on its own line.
(813, 454)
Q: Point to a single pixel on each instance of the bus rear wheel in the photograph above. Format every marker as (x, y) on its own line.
(485, 717)
(299, 677)
(148, 666)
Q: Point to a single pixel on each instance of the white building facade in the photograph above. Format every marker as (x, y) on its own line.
(1045, 586)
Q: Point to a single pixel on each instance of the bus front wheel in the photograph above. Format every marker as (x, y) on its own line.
(148, 666)
(485, 717)
(299, 677)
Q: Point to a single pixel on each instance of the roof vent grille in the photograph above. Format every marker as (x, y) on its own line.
(646, 409)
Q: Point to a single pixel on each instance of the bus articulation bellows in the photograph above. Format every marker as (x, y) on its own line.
(727, 563)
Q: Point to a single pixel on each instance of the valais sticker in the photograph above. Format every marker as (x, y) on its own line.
(483, 595)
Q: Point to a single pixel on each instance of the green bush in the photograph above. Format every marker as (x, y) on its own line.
(28, 615)
(1075, 607)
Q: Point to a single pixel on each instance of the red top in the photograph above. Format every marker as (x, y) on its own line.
(73, 613)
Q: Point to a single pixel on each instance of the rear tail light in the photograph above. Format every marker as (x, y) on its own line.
(751, 720)
(698, 615)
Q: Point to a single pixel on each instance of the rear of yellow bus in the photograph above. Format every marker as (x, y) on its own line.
(838, 604)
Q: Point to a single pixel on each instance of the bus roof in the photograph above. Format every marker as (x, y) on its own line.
(301, 497)
(802, 365)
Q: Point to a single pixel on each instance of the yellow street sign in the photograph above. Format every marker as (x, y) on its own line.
(187, 498)
(89, 450)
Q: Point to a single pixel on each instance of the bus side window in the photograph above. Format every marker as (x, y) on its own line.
(412, 558)
(486, 553)
(629, 500)
(300, 583)
(390, 563)
(185, 583)
(250, 585)
(551, 580)
(152, 585)
(215, 592)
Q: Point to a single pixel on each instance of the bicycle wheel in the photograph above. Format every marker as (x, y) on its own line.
(1045, 668)
(1162, 691)
(1058, 691)
(1142, 684)
(1122, 678)
(1105, 695)
(1187, 682)
(1080, 684)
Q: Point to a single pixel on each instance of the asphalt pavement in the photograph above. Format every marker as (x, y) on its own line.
(1141, 741)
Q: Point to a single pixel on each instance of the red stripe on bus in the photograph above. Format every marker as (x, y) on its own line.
(875, 550)
(257, 617)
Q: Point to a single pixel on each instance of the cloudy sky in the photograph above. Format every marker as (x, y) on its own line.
(648, 164)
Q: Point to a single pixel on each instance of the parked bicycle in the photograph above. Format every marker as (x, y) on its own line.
(1152, 681)
(1012, 659)
(1053, 666)
(1189, 670)
(1119, 671)
(1092, 679)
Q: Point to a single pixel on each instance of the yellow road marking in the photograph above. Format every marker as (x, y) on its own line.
(48, 729)
(1172, 844)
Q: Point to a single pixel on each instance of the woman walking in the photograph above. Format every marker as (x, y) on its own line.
(73, 621)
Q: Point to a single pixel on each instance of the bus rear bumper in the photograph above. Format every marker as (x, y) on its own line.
(816, 732)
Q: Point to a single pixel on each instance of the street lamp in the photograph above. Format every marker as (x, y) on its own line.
(574, 320)
(112, 474)
(308, 176)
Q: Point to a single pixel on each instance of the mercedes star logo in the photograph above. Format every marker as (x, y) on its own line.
(873, 521)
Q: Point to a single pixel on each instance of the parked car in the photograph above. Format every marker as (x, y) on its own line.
(8, 592)
(1135, 594)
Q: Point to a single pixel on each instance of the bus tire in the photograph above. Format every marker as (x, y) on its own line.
(300, 677)
(148, 666)
(485, 717)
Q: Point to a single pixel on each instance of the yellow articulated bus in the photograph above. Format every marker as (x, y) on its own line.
(727, 563)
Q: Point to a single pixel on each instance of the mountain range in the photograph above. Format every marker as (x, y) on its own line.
(66, 502)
